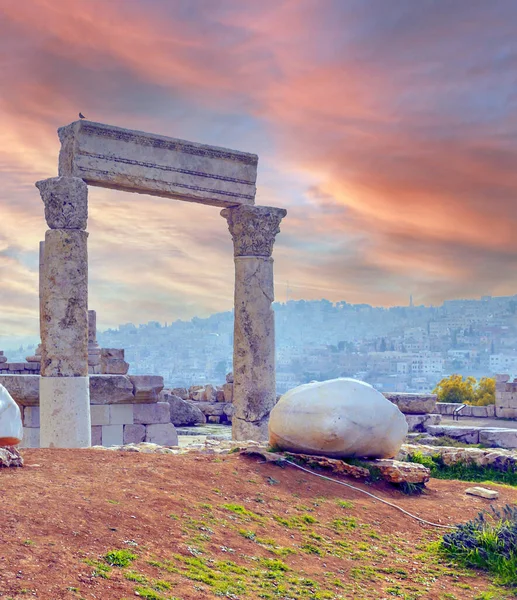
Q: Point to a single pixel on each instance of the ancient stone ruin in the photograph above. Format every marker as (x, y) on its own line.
(111, 157)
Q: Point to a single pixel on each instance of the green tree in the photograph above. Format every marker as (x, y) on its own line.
(455, 389)
(485, 392)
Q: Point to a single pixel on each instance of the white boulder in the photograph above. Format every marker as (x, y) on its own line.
(337, 418)
(11, 428)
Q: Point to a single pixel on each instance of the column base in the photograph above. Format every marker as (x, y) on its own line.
(250, 430)
(65, 412)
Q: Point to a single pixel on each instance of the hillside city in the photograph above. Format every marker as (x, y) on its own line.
(403, 348)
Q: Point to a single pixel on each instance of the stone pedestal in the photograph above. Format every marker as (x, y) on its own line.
(64, 388)
(253, 229)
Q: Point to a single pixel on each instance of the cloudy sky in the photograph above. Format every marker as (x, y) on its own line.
(387, 128)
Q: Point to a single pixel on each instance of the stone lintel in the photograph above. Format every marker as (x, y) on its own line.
(134, 161)
(253, 228)
(66, 202)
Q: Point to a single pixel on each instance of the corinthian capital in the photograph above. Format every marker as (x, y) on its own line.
(253, 228)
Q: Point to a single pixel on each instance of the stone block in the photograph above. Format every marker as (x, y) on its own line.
(111, 389)
(108, 353)
(208, 393)
(498, 438)
(134, 434)
(182, 412)
(213, 419)
(31, 437)
(219, 395)
(96, 435)
(121, 414)
(112, 435)
(469, 435)
(229, 378)
(99, 414)
(479, 411)
(23, 388)
(412, 403)
(161, 166)
(502, 412)
(114, 366)
(482, 493)
(180, 392)
(16, 366)
(146, 388)
(63, 304)
(211, 409)
(419, 423)
(228, 392)
(163, 434)
(31, 416)
(193, 392)
(146, 414)
(446, 408)
(66, 202)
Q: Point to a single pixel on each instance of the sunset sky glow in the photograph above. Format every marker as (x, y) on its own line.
(388, 129)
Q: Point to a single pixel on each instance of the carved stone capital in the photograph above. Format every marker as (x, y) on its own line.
(66, 202)
(253, 228)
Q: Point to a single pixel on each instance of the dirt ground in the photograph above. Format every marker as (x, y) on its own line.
(203, 526)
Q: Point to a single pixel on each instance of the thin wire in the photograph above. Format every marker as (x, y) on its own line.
(371, 495)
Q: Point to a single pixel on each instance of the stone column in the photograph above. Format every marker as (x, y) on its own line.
(94, 351)
(64, 382)
(253, 229)
(37, 352)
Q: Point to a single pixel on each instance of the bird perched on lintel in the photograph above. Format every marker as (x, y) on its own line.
(81, 116)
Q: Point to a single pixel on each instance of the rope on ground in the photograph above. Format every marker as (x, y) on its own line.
(368, 494)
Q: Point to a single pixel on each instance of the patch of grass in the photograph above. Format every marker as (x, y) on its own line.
(345, 504)
(119, 558)
(343, 524)
(488, 542)
(148, 593)
(296, 521)
(463, 471)
(100, 569)
(134, 576)
(28, 543)
(240, 510)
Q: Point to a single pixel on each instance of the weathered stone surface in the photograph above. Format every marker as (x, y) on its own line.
(499, 438)
(337, 418)
(469, 435)
(114, 366)
(111, 389)
(121, 414)
(412, 403)
(11, 426)
(65, 412)
(499, 459)
(229, 377)
(396, 471)
(336, 466)
(254, 387)
(64, 304)
(10, 457)
(66, 202)
(112, 435)
(158, 412)
(208, 393)
(182, 412)
(219, 395)
(228, 392)
(211, 408)
(146, 388)
(134, 434)
(31, 416)
(181, 393)
(23, 388)
(482, 493)
(99, 414)
(96, 435)
(146, 163)
(421, 422)
(164, 434)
